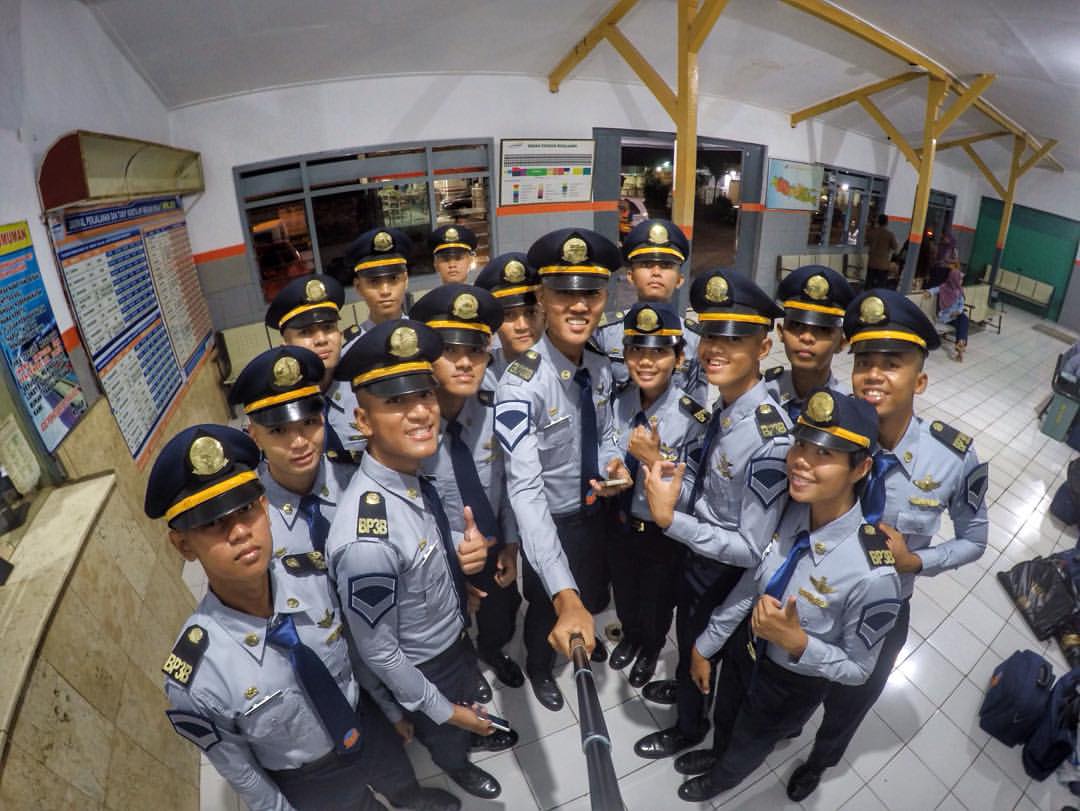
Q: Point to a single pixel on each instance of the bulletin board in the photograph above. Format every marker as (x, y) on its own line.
(134, 292)
(545, 171)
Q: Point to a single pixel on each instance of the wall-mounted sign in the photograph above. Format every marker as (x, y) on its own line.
(545, 171)
(793, 185)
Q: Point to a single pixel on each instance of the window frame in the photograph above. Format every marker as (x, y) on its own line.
(869, 185)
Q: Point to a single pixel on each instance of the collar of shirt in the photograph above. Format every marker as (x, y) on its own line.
(743, 407)
(335, 394)
(286, 501)
(824, 540)
(471, 414)
(908, 445)
(659, 407)
(564, 369)
(403, 485)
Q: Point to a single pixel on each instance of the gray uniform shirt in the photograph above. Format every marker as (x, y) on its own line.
(935, 475)
(341, 415)
(781, 387)
(394, 582)
(846, 605)
(688, 375)
(291, 533)
(745, 487)
(537, 419)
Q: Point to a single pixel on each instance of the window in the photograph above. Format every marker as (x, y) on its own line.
(849, 203)
(303, 212)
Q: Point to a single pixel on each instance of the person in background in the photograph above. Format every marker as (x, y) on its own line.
(515, 283)
(453, 249)
(946, 258)
(378, 260)
(881, 245)
(950, 308)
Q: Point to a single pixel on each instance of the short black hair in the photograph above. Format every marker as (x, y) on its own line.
(882, 219)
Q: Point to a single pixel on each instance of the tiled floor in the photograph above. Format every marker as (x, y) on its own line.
(921, 747)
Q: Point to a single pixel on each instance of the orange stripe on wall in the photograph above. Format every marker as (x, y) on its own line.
(219, 253)
(805, 211)
(963, 228)
(899, 219)
(752, 206)
(553, 208)
(70, 337)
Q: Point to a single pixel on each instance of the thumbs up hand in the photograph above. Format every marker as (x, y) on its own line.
(780, 624)
(472, 551)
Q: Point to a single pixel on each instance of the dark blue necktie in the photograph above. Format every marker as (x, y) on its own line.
(793, 407)
(318, 526)
(333, 709)
(332, 443)
(468, 482)
(632, 465)
(873, 500)
(782, 576)
(590, 443)
(435, 507)
(703, 463)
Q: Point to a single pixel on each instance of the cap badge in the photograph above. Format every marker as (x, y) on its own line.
(820, 408)
(404, 343)
(451, 235)
(383, 241)
(514, 271)
(315, 290)
(372, 497)
(716, 291)
(207, 457)
(658, 234)
(647, 319)
(872, 310)
(575, 251)
(195, 636)
(465, 307)
(817, 287)
(286, 372)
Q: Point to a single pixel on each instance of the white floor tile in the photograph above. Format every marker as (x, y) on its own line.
(903, 706)
(864, 800)
(768, 792)
(873, 746)
(906, 784)
(944, 747)
(926, 615)
(932, 673)
(837, 786)
(951, 803)
(957, 644)
(986, 788)
(974, 615)
(655, 786)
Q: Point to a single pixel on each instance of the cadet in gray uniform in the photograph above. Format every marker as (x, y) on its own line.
(654, 419)
(260, 678)
(307, 312)
(922, 469)
(279, 393)
(378, 262)
(655, 251)
(453, 252)
(739, 490)
(514, 282)
(813, 613)
(814, 298)
(553, 417)
(392, 554)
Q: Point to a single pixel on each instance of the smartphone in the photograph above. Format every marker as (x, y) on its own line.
(614, 482)
(498, 723)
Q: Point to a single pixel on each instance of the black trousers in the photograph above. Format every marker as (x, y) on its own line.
(876, 278)
(582, 536)
(703, 586)
(645, 569)
(339, 782)
(497, 614)
(756, 710)
(847, 705)
(454, 674)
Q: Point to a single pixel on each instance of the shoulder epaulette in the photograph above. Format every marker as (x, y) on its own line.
(692, 326)
(694, 409)
(348, 458)
(607, 319)
(774, 373)
(877, 551)
(486, 397)
(349, 333)
(769, 422)
(371, 516)
(593, 346)
(525, 366)
(949, 437)
(186, 655)
(307, 563)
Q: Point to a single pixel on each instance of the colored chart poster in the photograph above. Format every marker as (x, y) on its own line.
(31, 342)
(135, 294)
(545, 172)
(793, 185)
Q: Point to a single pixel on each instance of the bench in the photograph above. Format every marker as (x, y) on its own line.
(1023, 288)
(851, 264)
(976, 304)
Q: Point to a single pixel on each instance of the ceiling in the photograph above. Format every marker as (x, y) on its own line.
(762, 52)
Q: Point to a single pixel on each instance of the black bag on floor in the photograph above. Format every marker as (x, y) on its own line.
(1065, 505)
(1054, 736)
(1017, 697)
(1042, 589)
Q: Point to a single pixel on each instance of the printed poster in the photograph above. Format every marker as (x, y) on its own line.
(793, 185)
(545, 171)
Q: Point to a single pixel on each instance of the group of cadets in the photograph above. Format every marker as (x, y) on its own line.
(361, 536)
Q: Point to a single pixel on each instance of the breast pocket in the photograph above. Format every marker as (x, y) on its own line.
(555, 440)
(814, 614)
(273, 718)
(418, 603)
(918, 522)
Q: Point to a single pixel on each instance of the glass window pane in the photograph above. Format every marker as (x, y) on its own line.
(817, 219)
(838, 226)
(278, 181)
(366, 167)
(282, 245)
(464, 201)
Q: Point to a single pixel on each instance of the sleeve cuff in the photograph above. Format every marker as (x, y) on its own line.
(682, 527)
(933, 561)
(442, 710)
(557, 578)
(814, 653)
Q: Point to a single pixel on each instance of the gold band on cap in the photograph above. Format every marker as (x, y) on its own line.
(446, 245)
(663, 332)
(749, 319)
(284, 397)
(591, 270)
(874, 334)
(815, 308)
(655, 249)
(842, 433)
(303, 308)
(214, 490)
(479, 327)
(514, 291)
(378, 263)
(388, 371)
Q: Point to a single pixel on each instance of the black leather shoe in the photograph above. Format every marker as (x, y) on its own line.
(427, 799)
(477, 782)
(483, 689)
(696, 761)
(700, 789)
(623, 654)
(506, 669)
(642, 670)
(664, 691)
(497, 741)
(547, 691)
(803, 782)
(599, 653)
(665, 743)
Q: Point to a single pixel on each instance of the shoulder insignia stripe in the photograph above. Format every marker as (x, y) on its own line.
(952, 439)
(694, 409)
(186, 655)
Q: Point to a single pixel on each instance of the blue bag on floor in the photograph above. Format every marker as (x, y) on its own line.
(1017, 697)
(1054, 738)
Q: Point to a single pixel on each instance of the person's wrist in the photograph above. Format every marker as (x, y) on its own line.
(566, 600)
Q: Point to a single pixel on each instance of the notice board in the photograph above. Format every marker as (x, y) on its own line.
(545, 171)
(134, 292)
(793, 185)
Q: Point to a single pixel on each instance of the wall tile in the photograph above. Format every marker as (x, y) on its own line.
(137, 781)
(142, 718)
(27, 784)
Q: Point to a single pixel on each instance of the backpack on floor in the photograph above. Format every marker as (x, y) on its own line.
(1065, 505)
(1054, 738)
(1017, 697)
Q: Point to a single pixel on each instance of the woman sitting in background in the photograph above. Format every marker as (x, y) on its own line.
(950, 308)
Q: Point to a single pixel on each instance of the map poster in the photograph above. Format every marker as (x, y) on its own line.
(545, 171)
(31, 343)
(793, 185)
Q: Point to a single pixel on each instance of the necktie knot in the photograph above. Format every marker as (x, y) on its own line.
(454, 429)
(283, 635)
(884, 462)
(583, 378)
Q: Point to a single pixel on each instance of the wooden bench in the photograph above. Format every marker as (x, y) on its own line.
(1023, 288)
(851, 264)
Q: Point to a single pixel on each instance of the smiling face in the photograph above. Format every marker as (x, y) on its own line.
(293, 449)
(453, 265)
(233, 549)
(385, 295)
(818, 475)
(401, 431)
(324, 339)
(572, 315)
(651, 367)
(889, 381)
(731, 361)
(655, 279)
(460, 369)
(521, 328)
(809, 347)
